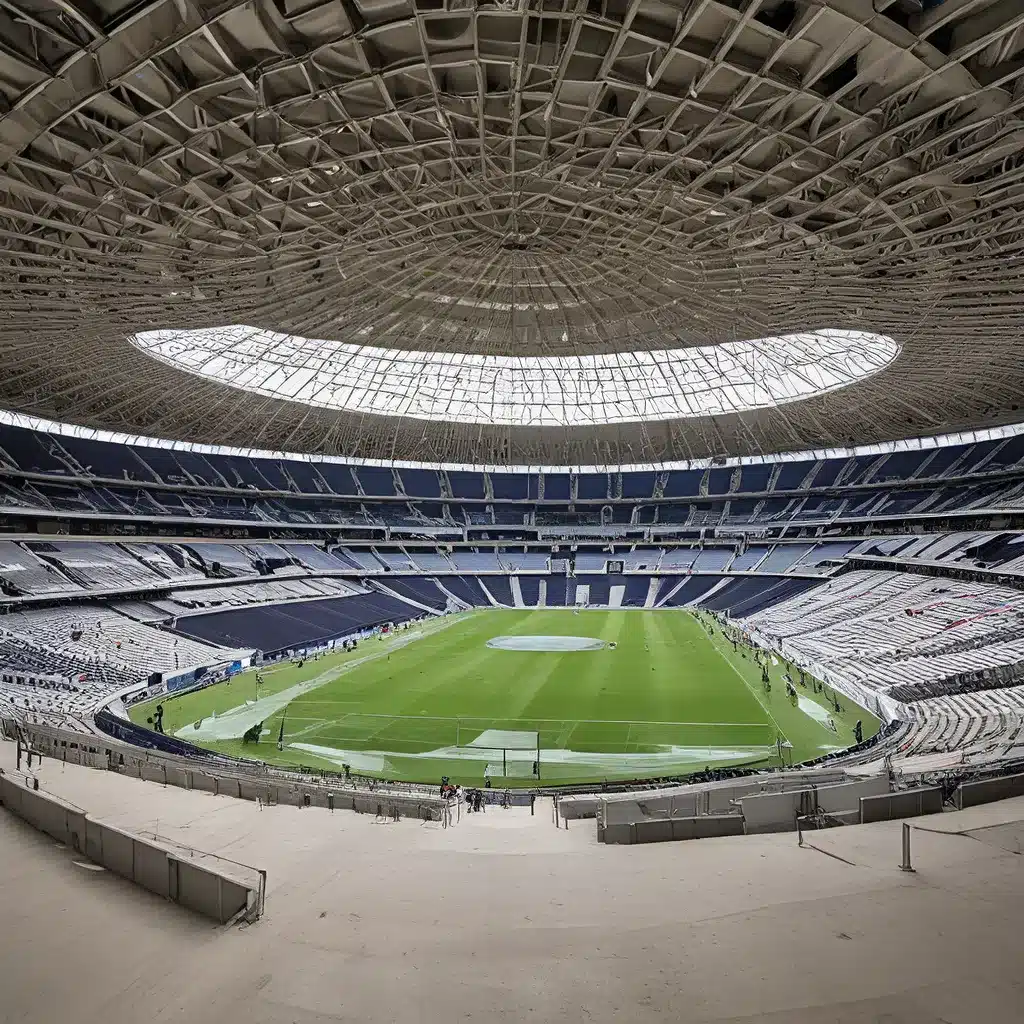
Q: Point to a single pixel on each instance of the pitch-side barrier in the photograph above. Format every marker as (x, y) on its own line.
(220, 776)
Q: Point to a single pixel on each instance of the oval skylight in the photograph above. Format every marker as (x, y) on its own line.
(526, 391)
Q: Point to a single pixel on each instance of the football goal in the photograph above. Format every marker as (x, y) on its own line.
(509, 753)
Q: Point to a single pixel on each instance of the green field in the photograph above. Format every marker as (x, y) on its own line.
(437, 700)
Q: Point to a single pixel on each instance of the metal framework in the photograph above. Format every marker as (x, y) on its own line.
(517, 178)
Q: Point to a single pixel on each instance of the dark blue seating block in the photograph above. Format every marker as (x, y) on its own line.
(859, 471)
(768, 594)
(419, 589)
(691, 590)
(942, 460)
(560, 591)
(337, 476)
(791, 475)
(464, 484)
(974, 456)
(30, 450)
(513, 486)
(556, 486)
(754, 478)
(165, 464)
(600, 587)
(827, 472)
(720, 480)
(271, 471)
(97, 458)
(306, 478)
(500, 588)
(683, 483)
(465, 588)
(1008, 455)
(198, 467)
(529, 586)
(423, 483)
(242, 473)
(272, 628)
(636, 591)
(376, 481)
(638, 485)
(594, 486)
(900, 466)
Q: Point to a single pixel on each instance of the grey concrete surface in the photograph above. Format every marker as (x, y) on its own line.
(504, 918)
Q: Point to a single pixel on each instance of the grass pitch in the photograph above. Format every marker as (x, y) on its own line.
(437, 700)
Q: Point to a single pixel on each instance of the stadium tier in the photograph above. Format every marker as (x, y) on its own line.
(890, 578)
(75, 477)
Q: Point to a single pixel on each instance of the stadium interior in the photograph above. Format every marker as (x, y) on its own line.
(444, 443)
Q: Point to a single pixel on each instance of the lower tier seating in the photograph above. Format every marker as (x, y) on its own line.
(273, 628)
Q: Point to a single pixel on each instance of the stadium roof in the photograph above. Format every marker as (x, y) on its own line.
(544, 231)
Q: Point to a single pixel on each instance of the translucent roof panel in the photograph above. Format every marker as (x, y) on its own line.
(563, 390)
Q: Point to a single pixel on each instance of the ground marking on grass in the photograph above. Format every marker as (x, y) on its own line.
(452, 682)
(230, 725)
(753, 692)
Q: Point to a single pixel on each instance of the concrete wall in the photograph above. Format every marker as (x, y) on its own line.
(229, 780)
(971, 793)
(662, 830)
(909, 804)
(705, 797)
(200, 887)
(777, 812)
(846, 797)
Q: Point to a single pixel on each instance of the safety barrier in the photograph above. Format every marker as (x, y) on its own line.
(223, 777)
(909, 804)
(667, 830)
(697, 797)
(210, 885)
(969, 794)
(775, 804)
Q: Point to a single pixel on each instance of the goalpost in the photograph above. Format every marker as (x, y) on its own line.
(519, 752)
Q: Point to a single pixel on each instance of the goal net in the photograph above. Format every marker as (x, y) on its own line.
(506, 769)
(510, 753)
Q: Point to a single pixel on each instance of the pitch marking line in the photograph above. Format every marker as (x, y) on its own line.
(743, 679)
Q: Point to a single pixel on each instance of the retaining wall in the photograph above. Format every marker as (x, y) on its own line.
(215, 888)
(969, 794)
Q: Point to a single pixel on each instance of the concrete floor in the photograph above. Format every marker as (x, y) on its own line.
(505, 918)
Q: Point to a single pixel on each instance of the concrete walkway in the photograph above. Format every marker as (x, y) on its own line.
(505, 918)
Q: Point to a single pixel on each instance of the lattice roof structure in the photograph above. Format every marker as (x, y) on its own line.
(532, 180)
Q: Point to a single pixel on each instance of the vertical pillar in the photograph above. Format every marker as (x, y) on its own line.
(906, 865)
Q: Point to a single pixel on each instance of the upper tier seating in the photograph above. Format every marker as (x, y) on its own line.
(238, 596)
(98, 566)
(168, 561)
(474, 561)
(231, 560)
(23, 573)
(314, 557)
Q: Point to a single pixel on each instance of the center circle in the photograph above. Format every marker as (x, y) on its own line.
(546, 643)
